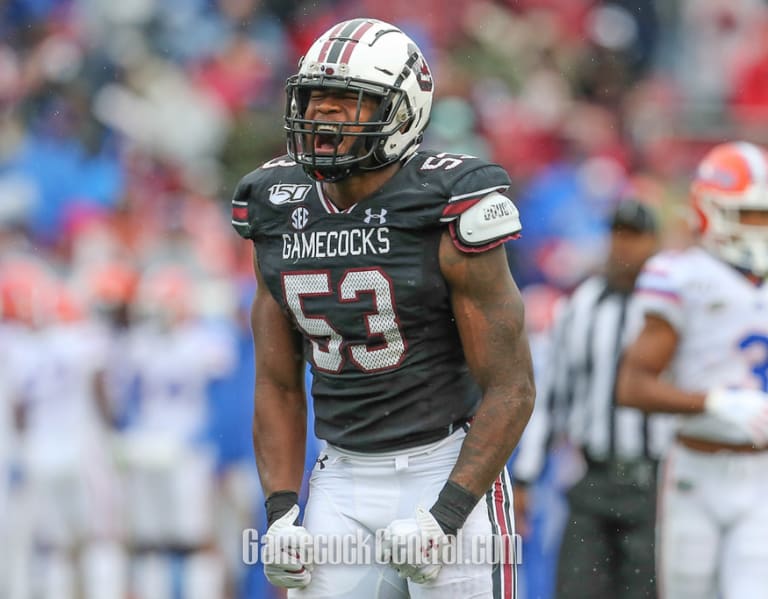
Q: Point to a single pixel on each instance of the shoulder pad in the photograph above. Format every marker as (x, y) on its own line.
(665, 268)
(660, 288)
(461, 179)
(491, 220)
(276, 183)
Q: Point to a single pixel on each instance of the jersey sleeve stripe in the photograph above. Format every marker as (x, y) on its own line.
(663, 293)
(655, 270)
(654, 279)
(241, 217)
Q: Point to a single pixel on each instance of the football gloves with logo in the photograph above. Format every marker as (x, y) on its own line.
(414, 546)
(287, 552)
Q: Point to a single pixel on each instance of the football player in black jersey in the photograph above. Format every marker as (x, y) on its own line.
(384, 268)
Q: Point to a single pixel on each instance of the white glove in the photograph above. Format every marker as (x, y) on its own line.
(287, 552)
(747, 409)
(414, 547)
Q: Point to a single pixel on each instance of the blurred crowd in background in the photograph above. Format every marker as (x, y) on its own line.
(125, 358)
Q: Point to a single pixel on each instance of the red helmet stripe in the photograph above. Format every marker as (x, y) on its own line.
(328, 42)
(356, 36)
(341, 39)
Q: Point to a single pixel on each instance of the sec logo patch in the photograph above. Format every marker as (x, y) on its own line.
(299, 218)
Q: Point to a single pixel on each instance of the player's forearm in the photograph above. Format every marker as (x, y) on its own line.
(500, 361)
(494, 434)
(279, 438)
(645, 391)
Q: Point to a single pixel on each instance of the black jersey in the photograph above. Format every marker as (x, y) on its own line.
(364, 288)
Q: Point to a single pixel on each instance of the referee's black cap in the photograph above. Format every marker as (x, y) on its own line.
(634, 215)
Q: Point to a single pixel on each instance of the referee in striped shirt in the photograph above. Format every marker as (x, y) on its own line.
(608, 544)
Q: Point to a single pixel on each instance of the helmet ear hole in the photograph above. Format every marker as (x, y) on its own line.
(407, 125)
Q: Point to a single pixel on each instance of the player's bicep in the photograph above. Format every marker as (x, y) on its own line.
(644, 361)
(277, 344)
(489, 314)
(654, 347)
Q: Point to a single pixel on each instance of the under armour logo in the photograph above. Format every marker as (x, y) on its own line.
(299, 218)
(321, 461)
(379, 218)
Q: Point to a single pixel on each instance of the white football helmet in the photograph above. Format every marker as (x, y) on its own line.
(732, 178)
(370, 57)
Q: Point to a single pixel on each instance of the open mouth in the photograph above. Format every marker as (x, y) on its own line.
(327, 139)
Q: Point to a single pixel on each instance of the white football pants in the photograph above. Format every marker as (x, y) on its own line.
(713, 525)
(356, 494)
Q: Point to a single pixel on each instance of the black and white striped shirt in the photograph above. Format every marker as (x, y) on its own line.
(577, 381)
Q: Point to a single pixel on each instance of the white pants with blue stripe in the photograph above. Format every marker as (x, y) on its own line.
(352, 495)
(712, 525)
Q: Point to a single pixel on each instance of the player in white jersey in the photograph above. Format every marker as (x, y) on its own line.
(703, 353)
(11, 531)
(169, 466)
(71, 499)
